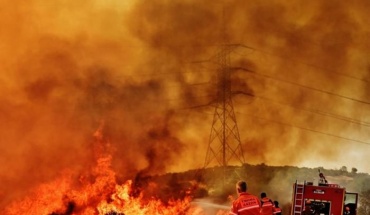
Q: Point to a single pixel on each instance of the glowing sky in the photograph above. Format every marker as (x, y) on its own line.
(66, 66)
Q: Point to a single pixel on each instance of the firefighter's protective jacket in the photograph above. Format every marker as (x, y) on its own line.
(267, 206)
(277, 211)
(246, 204)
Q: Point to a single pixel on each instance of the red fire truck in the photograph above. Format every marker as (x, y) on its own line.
(322, 199)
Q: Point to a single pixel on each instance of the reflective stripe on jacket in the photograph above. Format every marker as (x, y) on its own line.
(267, 206)
(246, 204)
(277, 211)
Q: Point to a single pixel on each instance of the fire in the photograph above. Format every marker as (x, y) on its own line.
(96, 193)
(104, 197)
(123, 203)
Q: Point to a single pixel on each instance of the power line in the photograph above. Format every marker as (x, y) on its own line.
(323, 113)
(307, 129)
(312, 65)
(301, 85)
(285, 57)
(296, 84)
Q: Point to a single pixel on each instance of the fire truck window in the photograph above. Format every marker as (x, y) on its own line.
(350, 201)
(350, 198)
(322, 208)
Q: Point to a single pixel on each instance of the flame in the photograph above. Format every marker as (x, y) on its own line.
(103, 197)
(126, 204)
(97, 192)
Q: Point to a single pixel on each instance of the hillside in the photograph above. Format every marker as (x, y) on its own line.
(217, 184)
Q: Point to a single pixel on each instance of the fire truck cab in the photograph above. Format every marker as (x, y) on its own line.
(322, 199)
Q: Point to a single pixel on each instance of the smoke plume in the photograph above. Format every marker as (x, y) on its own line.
(147, 70)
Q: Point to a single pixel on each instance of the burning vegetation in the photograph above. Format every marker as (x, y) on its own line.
(97, 192)
(67, 65)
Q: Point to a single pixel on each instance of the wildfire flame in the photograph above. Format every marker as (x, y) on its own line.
(95, 193)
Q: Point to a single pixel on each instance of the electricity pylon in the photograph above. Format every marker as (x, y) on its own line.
(224, 141)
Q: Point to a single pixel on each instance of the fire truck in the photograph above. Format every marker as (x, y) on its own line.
(322, 199)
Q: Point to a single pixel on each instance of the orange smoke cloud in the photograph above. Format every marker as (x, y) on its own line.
(67, 66)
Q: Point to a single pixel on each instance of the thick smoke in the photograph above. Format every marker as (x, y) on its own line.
(68, 66)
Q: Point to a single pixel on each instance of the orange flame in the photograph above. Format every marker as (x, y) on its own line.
(96, 193)
(102, 197)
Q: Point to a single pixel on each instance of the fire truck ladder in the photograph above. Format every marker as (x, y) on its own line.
(298, 199)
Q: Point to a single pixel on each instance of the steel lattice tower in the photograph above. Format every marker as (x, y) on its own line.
(224, 141)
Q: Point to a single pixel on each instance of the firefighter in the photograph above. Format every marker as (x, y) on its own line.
(308, 209)
(322, 179)
(347, 211)
(245, 204)
(277, 210)
(267, 206)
